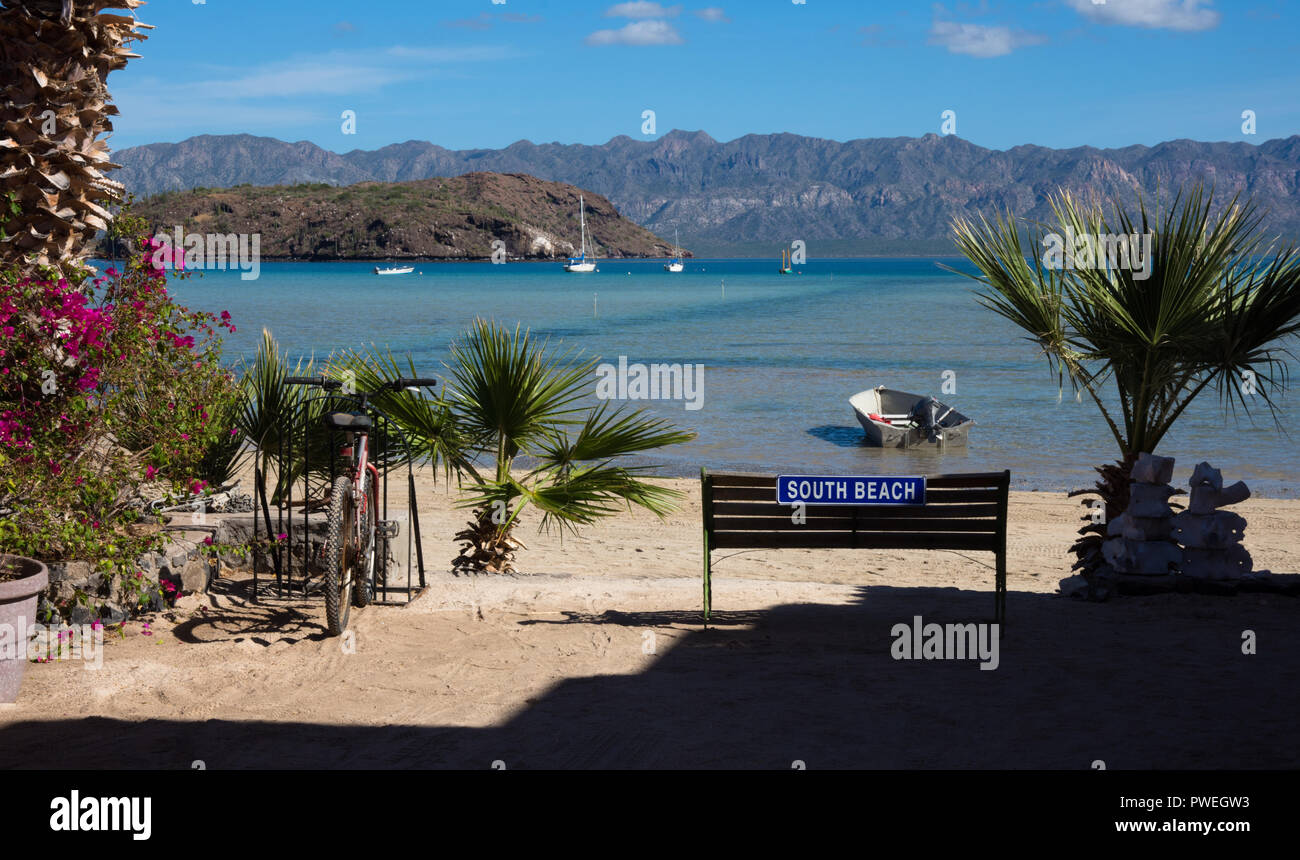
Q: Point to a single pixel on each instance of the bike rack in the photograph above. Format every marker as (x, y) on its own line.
(294, 432)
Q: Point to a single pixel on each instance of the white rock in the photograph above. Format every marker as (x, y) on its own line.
(1206, 499)
(1151, 509)
(1139, 492)
(1232, 563)
(1219, 530)
(1149, 558)
(1147, 528)
(1150, 469)
(1074, 586)
(1115, 528)
(1204, 473)
(1238, 492)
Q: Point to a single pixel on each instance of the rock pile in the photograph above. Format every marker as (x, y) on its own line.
(1211, 538)
(1139, 541)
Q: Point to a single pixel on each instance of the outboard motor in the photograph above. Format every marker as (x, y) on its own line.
(926, 415)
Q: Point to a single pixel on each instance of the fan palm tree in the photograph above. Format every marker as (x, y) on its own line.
(508, 397)
(1213, 309)
(275, 417)
(54, 106)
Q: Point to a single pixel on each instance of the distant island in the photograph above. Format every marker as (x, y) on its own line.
(457, 218)
(755, 195)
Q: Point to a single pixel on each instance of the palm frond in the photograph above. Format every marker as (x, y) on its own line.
(1213, 301)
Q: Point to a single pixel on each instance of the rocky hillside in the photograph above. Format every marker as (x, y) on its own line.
(457, 218)
(770, 188)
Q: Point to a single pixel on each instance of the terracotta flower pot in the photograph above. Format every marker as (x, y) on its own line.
(17, 612)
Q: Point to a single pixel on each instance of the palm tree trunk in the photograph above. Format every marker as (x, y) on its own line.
(54, 106)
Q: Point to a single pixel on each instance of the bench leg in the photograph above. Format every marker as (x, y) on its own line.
(1000, 595)
(708, 584)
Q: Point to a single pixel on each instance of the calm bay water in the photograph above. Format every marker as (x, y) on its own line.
(782, 355)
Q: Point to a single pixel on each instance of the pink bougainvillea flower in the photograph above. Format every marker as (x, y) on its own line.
(282, 536)
(207, 541)
(149, 472)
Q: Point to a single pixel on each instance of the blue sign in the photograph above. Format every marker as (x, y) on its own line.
(850, 490)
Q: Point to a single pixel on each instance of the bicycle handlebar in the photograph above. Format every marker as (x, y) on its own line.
(413, 382)
(323, 382)
(394, 385)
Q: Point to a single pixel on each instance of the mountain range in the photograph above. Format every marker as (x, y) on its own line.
(752, 194)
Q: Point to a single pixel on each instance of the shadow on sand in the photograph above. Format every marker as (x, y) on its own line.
(1139, 683)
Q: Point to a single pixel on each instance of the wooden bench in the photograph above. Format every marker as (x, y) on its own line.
(961, 512)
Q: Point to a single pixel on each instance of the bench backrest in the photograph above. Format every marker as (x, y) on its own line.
(965, 511)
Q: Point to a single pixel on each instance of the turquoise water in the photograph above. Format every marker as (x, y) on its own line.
(782, 355)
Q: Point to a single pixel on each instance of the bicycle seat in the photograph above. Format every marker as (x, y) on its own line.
(349, 421)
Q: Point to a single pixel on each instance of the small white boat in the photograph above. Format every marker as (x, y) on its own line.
(580, 263)
(675, 264)
(394, 270)
(897, 419)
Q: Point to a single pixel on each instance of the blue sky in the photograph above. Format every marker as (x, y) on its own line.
(478, 73)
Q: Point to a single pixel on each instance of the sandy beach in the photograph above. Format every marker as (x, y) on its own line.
(595, 656)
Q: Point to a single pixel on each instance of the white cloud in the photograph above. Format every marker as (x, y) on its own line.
(638, 33)
(337, 72)
(152, 107)
(642, 9)
(979, 40)
(482, 22)
(275, 96)
(302, 77)
(1163, 14)
(712, 13)
(465, 54)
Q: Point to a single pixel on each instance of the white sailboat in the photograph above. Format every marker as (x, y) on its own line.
(580, 263)
(675, 264)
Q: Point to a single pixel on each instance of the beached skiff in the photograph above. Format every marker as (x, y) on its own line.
(897, 419)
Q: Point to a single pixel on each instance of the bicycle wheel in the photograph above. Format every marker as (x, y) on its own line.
(340, 556)
(364, 589)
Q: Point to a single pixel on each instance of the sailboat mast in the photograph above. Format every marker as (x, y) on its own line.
(582, 219)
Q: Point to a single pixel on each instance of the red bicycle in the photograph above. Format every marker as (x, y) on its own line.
(355, 530)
